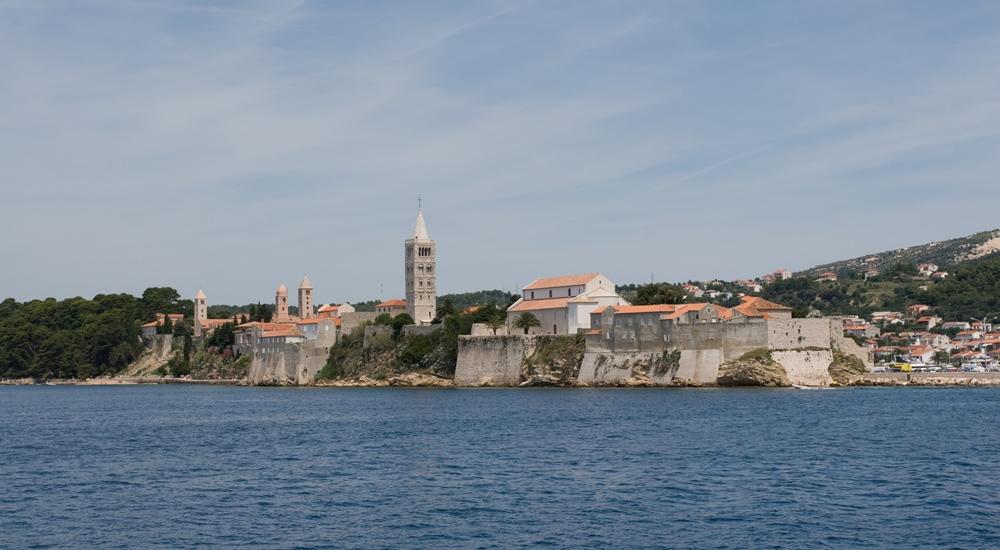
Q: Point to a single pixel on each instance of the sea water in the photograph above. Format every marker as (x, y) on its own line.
(187, 466)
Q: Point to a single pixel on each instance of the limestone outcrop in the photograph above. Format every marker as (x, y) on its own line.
(846, 369)
(755, 368)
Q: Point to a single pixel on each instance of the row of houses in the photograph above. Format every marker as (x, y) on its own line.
(588, 302)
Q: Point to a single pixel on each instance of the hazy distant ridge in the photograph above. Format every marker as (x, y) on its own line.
(943, 253)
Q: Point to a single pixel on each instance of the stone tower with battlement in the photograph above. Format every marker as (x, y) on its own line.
(200, 311)
(281, 304)
(421, 273)
(306, 299)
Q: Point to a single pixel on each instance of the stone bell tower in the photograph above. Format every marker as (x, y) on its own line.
(421, 273)
(306, 299)
(200, 311)
(281, 304)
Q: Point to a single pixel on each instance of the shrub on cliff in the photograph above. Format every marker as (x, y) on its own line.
(556, 357)
(754, 368)
(845, 367)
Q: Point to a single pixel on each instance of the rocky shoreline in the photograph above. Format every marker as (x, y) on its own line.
(424, 380)
(929, 379)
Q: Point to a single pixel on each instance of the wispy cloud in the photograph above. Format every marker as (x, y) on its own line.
(232, 145)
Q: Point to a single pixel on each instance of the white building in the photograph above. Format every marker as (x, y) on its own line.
(563, 304)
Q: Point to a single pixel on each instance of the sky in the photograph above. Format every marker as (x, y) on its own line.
(232, 146)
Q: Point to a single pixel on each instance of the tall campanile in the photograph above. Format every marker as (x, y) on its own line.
(421, 273)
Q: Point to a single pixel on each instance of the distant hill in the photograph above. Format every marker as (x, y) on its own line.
(942, 253)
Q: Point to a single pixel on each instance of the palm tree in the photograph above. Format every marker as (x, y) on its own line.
(495, 322)
(526, 321)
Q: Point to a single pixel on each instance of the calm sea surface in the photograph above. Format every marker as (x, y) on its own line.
(178, 467)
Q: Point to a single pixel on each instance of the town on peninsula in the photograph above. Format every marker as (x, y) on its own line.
(917, 316)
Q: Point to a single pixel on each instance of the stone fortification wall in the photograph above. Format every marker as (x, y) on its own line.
(733, 339)
(288, 364)
(798, 333)
(804, 347)
(690, 354)
(492, 360)
(482, 329)
(848, 346)
(700, 366)
(806, 367)
(375, 333)
(352, 320)
(420, 330)
(642, 368)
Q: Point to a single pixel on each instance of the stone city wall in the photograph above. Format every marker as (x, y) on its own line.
(288, 364)
(690, 354)
(492, 360)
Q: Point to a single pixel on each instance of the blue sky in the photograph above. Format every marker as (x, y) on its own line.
(231, 146)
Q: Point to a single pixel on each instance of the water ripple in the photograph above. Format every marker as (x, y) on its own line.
(184, 467)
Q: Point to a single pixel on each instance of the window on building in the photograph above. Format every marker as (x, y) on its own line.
(550, 294)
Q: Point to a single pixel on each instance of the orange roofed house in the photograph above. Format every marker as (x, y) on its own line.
(630, 325)
(651, 327)
(149, 329)
(392, 307)
(755, 307)
(563, 304)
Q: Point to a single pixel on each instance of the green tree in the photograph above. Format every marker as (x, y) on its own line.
(222, 336)
(384, 319)
(526, 321)
(401, 320)
(496, 322)
(658, 293)
(166, 327)
(160, 300)
(187, 349)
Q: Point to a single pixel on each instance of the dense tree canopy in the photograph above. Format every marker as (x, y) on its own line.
(76, 337)
(658, 293)
(971, 290)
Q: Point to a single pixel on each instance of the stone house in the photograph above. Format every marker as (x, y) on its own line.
(755, 307)
(647, 327)
(334, 310)
(393, 307)
(149, 329)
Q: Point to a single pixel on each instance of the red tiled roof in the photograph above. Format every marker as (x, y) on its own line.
(281, 331)
(393, 303)
(755, 306)
(311, 321)
(533, 305)
(160, 317)
(685, 308)
(564, 280)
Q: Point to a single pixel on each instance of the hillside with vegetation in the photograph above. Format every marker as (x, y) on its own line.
(943, 253)
(77, 337)
(393, 353)
(972, 289)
